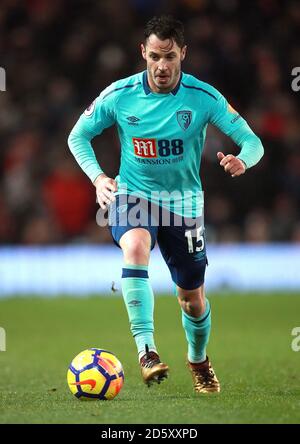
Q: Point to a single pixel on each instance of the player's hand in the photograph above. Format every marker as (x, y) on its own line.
(232, 165)
(105, 187)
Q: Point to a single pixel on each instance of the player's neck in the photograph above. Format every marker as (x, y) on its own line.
(155, 89)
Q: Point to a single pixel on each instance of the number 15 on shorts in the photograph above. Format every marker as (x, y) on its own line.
(195, 243)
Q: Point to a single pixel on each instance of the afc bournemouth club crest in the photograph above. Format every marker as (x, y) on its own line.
(184, 119)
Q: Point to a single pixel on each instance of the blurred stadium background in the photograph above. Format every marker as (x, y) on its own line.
(59, 54)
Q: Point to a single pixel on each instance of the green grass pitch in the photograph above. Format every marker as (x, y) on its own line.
(250, 348)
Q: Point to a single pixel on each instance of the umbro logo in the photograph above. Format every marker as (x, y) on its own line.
(122, 208)
(134, 303)
(132, 120)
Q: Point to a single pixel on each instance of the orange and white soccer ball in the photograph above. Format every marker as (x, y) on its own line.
(95, 374)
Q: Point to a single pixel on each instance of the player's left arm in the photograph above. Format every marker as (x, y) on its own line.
(233, 125)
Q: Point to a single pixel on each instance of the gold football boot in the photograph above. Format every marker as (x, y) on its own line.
(204, 377)
(153, 370)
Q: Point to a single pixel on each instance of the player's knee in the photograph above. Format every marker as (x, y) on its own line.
(136, 249)
(136, 253)
(192, 302)
(193, 308)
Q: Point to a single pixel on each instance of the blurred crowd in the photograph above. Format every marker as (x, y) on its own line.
(59, 54)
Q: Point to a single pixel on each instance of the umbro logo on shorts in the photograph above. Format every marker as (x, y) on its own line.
(122, 208)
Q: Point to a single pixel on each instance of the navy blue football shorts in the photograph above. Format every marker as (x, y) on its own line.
(181, 240)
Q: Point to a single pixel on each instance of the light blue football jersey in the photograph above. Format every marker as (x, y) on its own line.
(161, 137)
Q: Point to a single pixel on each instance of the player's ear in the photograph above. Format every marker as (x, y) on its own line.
(143, 50)
(183, 53)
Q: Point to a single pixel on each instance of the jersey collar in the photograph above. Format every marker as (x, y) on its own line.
(147, 87)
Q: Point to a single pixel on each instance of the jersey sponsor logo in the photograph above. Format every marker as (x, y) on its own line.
(184, 119)
(90, 109)
(144, 147)
(153, 149)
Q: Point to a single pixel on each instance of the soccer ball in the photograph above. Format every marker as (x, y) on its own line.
(95, 374)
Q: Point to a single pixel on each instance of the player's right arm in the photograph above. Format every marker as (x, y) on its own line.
(98, 116)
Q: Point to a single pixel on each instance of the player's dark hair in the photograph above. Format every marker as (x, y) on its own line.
(165, 27)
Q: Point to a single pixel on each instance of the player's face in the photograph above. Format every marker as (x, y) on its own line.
(163, 59)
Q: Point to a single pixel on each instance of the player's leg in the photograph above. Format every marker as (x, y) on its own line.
(139, 301)
(136, 244)
(136, 288)
(187, 263)
(196, 321)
